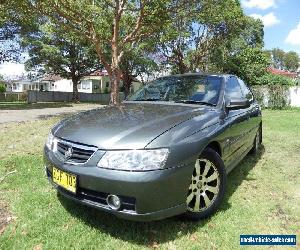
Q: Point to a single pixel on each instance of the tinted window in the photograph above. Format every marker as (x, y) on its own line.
(198, 88)
(246, 91)
(233, 89)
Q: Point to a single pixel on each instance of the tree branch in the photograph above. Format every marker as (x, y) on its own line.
(133, 35)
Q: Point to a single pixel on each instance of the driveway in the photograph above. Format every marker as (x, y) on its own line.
(11, 115)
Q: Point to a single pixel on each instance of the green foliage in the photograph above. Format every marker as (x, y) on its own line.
(106, 90)
(284, 60)
(53, 51)
(196, 32)
(2, 88)
(249, 64)
(271, 79)
(259, 93)
(278, 97)
(291, 61)
(9, 30)
(275, 88)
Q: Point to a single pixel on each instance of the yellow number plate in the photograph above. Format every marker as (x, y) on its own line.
(65, 180)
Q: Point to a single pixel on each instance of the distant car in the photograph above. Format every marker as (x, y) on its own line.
(165, 151)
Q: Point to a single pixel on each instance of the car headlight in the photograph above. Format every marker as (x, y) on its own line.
(49, 141)
(134, 160)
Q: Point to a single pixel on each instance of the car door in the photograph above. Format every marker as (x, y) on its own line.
(237, 124)
(254, 114)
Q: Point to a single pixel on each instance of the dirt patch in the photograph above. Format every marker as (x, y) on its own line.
(29, 114)
(5, 216)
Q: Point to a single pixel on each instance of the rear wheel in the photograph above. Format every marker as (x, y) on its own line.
(257, 142)
(207, 186)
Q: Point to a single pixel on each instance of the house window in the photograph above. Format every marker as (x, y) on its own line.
(107, 85)
(96, 86)
(85, 85)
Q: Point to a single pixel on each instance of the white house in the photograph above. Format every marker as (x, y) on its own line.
(99, 82)
(96, 82)
(17, 86)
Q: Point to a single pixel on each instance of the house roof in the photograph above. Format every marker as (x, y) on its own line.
(282, 72)
(51, 78)
(99, 73)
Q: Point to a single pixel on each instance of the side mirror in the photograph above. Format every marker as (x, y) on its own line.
(237, 103)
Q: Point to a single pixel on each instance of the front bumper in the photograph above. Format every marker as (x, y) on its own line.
(146, 196)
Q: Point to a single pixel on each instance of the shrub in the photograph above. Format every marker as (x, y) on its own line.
(2, 88)
(270, 79)
(106, 90)
(276, 96)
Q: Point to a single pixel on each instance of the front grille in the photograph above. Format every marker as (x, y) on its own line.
(80, 153)
(97, 198)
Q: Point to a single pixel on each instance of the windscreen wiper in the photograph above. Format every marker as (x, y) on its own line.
(196, 102)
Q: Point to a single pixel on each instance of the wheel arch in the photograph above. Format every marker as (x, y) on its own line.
(214, 145)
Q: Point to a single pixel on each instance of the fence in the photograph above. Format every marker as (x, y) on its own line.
(54, 96)
(277, 96)
(267, 96)
(12, 97)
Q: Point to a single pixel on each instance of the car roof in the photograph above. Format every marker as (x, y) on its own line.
(201, 74)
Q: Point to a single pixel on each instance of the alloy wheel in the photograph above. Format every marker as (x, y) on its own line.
(204, 186)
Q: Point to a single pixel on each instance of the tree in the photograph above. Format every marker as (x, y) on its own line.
(136, 63)
(277, 58)
(284, 60)
(112, 26)
(242, 53)
(9, 49)
(195, 33)
(52, 51)
(2, 85)
(291, 61)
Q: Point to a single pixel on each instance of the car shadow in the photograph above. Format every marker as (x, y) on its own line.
(156, 232)
(239, 174)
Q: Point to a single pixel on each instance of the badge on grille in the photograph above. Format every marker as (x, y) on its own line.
(69, 153)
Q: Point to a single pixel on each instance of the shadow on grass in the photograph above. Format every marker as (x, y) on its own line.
(156, 232)
(240, 174)
(24, 105)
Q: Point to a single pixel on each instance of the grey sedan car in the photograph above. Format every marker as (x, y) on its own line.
(164, 151)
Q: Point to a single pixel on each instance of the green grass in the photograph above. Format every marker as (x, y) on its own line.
(262, 198)
(25, 105)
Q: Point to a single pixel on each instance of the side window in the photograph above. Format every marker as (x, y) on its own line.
(233, 89)
(246, 91)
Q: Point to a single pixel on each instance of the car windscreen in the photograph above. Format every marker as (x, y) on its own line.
(201, 89)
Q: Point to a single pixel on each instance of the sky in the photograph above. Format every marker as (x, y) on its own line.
(281, 20)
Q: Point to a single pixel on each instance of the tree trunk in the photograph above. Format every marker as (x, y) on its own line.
(127, 81)
(75, 97)
(115, 78)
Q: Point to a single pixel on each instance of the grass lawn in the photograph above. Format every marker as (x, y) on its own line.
(263, 197)
(25, 105)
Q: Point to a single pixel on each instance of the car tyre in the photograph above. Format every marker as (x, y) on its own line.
(207, 187)
(257, 142)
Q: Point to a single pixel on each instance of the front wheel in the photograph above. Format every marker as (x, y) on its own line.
(207, 187)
